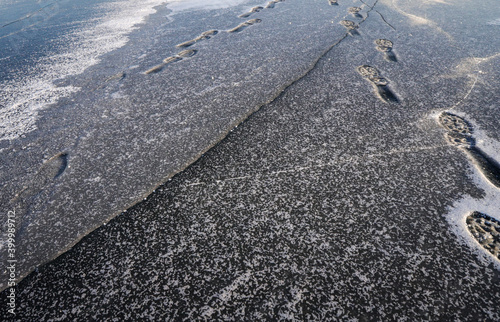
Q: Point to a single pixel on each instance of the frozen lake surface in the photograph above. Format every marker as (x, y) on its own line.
(338, 195)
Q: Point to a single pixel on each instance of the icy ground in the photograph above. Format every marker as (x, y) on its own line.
(340, 198)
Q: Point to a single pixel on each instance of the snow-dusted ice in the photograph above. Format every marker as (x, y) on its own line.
(273, 162)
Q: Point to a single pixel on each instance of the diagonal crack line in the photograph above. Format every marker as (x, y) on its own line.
(279, 93)
(385, 20)
(29, 15)
(314, 64)
(467, 94)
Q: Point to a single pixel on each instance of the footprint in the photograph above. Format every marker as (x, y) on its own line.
(54, 167)
(333, 2)
(117, 77)
(455, 123)
(486, 230)
(184, 54)
(351, 26)
(385, 46)
(155, 69)
(210, 33)
(354, 11)
(460, 135)
(252, 11)
(172, 59)
(459, 140)
(205, 35)
(50, 170)
(380, 84)
(166, 61)
(188, 43)
(368, 71)
(270, 4)
(245, 24)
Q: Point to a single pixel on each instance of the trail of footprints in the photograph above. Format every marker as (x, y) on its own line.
(209, 34)
(351, 26)
(370, 73)
(485, 229)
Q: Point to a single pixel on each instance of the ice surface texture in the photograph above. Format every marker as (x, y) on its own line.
(327, 203)
(126, 131)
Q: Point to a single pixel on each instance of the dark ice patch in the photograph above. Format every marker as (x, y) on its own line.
(488, 167)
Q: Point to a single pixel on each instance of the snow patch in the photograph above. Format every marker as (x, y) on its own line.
(25, 95)
(183, 5)
(489, 204)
